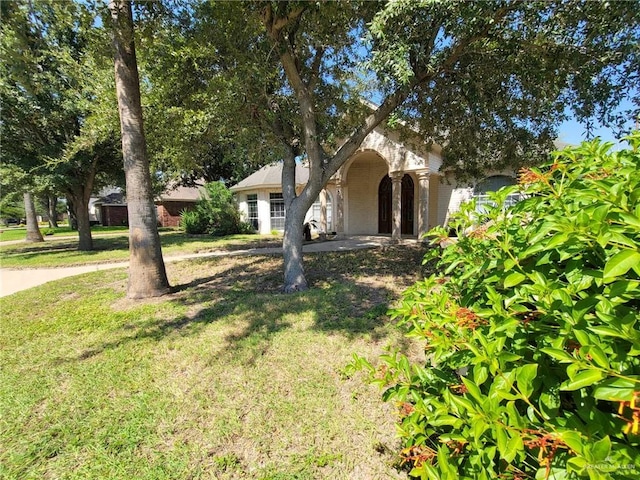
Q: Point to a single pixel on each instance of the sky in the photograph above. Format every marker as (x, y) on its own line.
(574, 132)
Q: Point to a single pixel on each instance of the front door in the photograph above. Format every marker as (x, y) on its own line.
(385, 209)
(384, 205)
(406, 227)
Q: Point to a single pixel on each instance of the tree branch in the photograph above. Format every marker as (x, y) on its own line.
(307, 110)
(349, 147)
(275, 25)
(461, 47)
(315, 68)
(395, 99)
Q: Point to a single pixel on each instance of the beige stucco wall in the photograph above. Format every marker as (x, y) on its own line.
(264, 212)
(361, 193)
(403, 153)
(264, 208)
(434, 196)
(452, 195)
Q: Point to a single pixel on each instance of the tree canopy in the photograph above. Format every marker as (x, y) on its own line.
(493, 80)
(229, 86)
(489, 81)
(57, 125)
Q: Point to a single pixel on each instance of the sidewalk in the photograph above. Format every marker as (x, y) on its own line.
(14, 280)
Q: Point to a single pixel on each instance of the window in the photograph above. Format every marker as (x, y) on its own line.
(277, 211)
(315, 213)
(252, 204)
(492, 184)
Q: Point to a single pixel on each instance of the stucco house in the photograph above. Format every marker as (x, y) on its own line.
(390, 186)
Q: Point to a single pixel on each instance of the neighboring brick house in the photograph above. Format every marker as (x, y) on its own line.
(112, 209)
(390, 186)
(172, 203)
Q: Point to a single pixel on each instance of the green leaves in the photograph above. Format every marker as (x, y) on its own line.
(582, 379)
(533, 329)
(621, 263)
(514, 279)
(525, 376)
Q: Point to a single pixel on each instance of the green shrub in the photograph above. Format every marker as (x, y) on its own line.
(530, 330)
(193, 222)
(215, 214)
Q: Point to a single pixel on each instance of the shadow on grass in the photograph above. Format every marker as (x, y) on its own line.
(350, 295)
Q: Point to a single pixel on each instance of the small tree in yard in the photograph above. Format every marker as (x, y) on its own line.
(216, 213)
(531, 331)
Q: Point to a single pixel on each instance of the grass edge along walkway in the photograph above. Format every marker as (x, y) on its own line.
(15, 280)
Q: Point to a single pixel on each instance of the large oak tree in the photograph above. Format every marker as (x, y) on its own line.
(489, 81)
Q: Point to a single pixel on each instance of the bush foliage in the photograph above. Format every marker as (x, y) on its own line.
(215, 214)
(530, 330)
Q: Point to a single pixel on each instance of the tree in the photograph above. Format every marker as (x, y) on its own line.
(49, 201)
(87, 165)
(25, 137)
(487, 80)
(54, 87)
(33, 231)
(147, 275)
(195, 134)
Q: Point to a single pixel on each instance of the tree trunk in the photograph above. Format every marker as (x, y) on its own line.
(52, 207)
(294, 279)
(147, 274)
(71, 211)
(33, 231)
(320, 168)
(81, 213)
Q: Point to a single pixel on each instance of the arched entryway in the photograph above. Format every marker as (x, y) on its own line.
(385, 205)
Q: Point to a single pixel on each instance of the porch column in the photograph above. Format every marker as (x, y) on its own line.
(323, 213)
(396, 206)
(339, 209)
(423, 203)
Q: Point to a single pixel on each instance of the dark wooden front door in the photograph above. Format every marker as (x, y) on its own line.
(384, 206)
(406, 226)
(385, 209)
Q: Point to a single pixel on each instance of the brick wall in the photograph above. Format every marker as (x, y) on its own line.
(169, 212)
(113, 215)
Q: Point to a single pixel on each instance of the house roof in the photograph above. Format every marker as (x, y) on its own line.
(172, 194)
(179, 193)
(270, 176)
(114, 198)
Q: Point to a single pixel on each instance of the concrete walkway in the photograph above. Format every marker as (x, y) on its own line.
(15, 280)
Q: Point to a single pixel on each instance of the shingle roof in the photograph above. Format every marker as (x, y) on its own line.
(270, 176)
(181, 193)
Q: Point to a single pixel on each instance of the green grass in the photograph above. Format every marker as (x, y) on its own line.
(225, 378)
(19, 233)
(64, 252)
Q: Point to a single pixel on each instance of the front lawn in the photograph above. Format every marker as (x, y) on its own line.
(115, 248)
(223, 379)
(19, 233)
